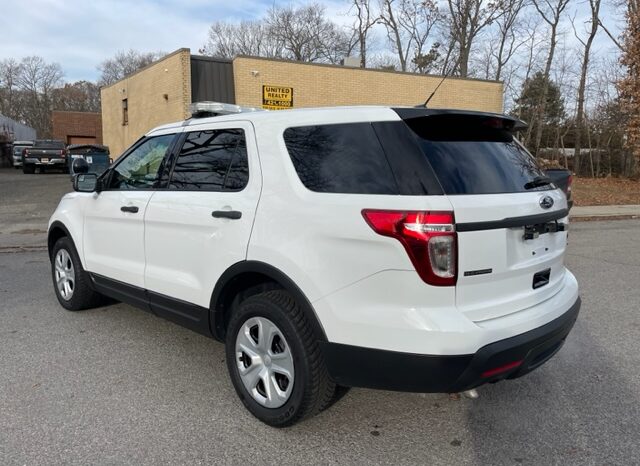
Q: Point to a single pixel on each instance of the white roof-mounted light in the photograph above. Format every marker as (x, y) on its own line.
(209, 109)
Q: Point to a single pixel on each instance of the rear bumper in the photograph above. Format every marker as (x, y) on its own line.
(389, 370)
(51, 162)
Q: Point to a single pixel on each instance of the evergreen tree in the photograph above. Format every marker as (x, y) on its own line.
(527, 109)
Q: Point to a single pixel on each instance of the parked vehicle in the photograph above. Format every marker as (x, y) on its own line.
(406, 249)
(96, 156)
(45, 153)
(563, 179)
(18, 149)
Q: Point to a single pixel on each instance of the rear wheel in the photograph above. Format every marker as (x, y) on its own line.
(70, 281)
(275, 361)
(28, 169)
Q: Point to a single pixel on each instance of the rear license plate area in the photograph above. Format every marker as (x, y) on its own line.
(541, 278)
(44, 160)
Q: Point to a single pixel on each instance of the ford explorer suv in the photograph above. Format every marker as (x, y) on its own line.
(45, 153)
(406, 249)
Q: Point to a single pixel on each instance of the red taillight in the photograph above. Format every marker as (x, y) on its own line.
(63, 153)
(25, 152)
(501, 369)
(428, 237)
(569, 183)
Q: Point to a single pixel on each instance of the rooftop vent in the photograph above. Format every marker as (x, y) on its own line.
(211, 109)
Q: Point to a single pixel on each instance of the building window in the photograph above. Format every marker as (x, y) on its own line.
(125, 112)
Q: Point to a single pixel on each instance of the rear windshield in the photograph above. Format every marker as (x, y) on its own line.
(472, 155)
(47, 144)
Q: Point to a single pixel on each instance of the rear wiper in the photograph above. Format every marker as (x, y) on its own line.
(538, 181)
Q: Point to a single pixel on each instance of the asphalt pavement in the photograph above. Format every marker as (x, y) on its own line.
(117, 385)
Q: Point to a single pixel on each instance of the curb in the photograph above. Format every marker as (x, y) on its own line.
(595, 218)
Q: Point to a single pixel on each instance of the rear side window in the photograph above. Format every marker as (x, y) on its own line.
(49, 144)
(470, 155)
(341, 158)
(212, 160)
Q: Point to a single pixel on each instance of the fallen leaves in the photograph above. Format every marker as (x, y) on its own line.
(605, 191)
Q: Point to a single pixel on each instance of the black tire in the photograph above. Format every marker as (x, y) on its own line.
(82, 296)
(312, 388)
(28, 169)
(339, 393)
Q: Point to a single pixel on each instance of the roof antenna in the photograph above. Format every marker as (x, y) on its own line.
(446, 75)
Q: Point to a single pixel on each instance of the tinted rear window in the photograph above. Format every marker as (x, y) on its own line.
(213, 160)
(341, 158)
(470, 156)
(49, 144)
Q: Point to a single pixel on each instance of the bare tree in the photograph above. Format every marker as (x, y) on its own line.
(509, 37)
(10, 70)
(227, 40)
(37, 81)
(305, 34)
(124, 63)
(551, 12)
(365, 20)
(465, 21)
(80, 96)
(593, 30)
(409, 24)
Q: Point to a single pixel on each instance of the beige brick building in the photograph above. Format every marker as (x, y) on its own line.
(161, 92)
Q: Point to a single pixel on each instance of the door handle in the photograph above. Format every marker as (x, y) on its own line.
(230, 214)
(129, 208)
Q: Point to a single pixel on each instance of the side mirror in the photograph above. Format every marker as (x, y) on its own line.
(79, 166)
(86, 183)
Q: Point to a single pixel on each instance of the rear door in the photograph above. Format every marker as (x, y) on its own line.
(511, 226)
(201, 224)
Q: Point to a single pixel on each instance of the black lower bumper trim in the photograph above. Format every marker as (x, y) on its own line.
(356, 366)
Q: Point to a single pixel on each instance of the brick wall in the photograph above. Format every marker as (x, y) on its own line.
(69, 125)
(159, 93)
(323, 85)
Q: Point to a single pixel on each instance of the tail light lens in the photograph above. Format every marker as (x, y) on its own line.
(428, 237)
(63, 153)
(569, 183)
(25, 152)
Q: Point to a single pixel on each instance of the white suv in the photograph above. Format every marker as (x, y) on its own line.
(406, 249)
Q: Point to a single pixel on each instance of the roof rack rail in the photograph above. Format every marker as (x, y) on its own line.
(211, 109)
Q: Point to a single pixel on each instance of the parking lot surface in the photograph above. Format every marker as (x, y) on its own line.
(116, 385)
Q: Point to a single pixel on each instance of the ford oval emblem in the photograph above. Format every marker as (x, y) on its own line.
(546, 202)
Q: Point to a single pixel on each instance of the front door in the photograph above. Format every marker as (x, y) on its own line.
(114, 218)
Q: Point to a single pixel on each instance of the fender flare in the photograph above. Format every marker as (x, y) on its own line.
(216, 306)
(57, 225)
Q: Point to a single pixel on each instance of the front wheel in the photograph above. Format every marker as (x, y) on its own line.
(70, 281)
(274, 360)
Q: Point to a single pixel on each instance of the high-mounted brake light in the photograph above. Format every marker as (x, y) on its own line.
(428, 237)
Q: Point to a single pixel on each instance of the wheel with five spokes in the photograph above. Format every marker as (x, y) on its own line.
(275, 361)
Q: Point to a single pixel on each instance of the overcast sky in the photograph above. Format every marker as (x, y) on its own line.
(79, 34)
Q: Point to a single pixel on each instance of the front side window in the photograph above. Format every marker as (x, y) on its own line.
(212, 160)
(140, 169)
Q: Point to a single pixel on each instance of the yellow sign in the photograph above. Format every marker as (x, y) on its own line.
(277, 97)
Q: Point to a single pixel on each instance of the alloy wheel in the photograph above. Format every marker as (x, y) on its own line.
(64, 274)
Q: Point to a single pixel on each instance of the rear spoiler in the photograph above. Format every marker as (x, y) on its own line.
(507, 122)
